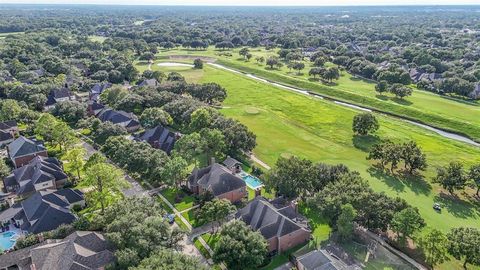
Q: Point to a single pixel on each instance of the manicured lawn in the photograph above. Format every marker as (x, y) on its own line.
(181, 224)
(201, 248)
(191, 217)
(178, 198)
(425, 106)
(164, 206)
(320, 227)
(211, 239)
(282, 258)
(291, 124)
(321, 131)
(191, 75)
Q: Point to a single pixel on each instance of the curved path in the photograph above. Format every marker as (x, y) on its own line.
(443, 133)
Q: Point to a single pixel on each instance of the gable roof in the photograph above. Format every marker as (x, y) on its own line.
(38, 170)
(8, 124)
(160, 137)
(5, 136)
(216, 178)
(270, 221)
(23, 146)
(231, 162)
(47, 209)
(79, 250)
(56, 94)
(149, 82)
(113, 116)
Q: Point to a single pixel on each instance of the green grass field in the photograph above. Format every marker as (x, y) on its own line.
(288, 124)
(444, 112)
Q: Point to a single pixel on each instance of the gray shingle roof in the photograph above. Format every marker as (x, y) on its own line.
(23, 146)
(8, 124)
(264, 217)
(160, 137)
(5, 136)
(38, 170)
(46, 210)
(79, 250)
(216, 178)
(231, 162)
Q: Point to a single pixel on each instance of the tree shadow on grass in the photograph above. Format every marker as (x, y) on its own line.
(456, 206)
(402, 101)
(400, 180)
(382, 97)
(416, 182)
(364, 143)
(381, 174)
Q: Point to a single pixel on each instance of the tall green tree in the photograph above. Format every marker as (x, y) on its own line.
(107, 183)
(152, 117)
(406, 222)
(189, 147)
(216, 211)
(239, 247)
(451, 177)
(175, 171)
(474, 176)
(464, 244)
(213, 143)
(365, 123)
(76, 159)
(167, 259)
(434, 245)
(413, 157)
(291, 177)
(345, 225)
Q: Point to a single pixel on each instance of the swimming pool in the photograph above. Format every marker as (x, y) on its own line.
(251, 181)
(7, 240)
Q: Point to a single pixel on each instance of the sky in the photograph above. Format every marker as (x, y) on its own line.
(251, 2)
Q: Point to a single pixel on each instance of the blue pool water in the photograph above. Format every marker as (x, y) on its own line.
(6, 241)
(252, 181)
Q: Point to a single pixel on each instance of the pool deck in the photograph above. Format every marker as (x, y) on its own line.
(244, 174)
(18, 232)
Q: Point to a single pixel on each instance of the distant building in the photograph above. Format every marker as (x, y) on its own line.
(39, 174)
(218, 180)
(5, 138)
(159, 137)
(277, 221)
(45, 210)
(121, 118)
(97, 90)
(22, 150)
(81, 250)
(149, 83)
(94, 108)
(58, 95)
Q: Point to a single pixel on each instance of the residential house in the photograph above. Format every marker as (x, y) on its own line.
(319, 259)
(58, 95)
(416, 74)
(39, 174)
(10, 127)
(218, 180)
(121, 118)
(159, 137)
(81, 250)
(94, 108)
(97, 90)
(232, 164)
(5, 138)
(45, 210)
(22, 150)
(277, 221)
(149, 83)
